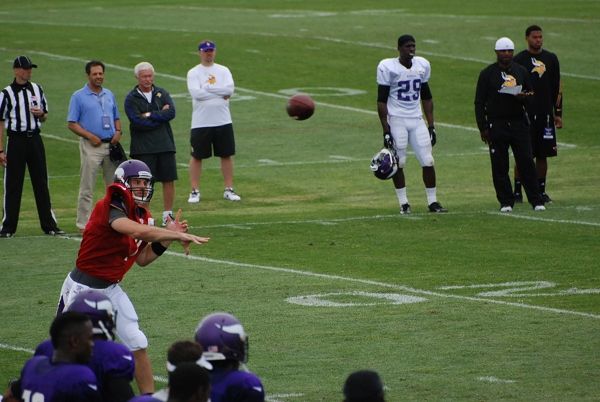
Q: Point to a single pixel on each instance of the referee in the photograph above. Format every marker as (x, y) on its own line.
(23, 108)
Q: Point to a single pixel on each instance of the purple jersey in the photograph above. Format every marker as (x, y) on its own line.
(235, 386)
(109, 360)
(43, 380)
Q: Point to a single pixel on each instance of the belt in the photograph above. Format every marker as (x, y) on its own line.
(28, 133)
(81, 277)
(105, 140)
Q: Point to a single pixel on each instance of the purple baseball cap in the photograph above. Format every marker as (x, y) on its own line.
(206, 45)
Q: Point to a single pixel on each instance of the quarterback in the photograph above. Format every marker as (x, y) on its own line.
(119, 233)
(402, 88)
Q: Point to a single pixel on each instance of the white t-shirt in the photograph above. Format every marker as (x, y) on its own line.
(208, 86)
(405, 85)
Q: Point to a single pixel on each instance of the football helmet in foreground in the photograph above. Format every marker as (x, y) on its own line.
(99, 308)
(384, 164)
(222, 337)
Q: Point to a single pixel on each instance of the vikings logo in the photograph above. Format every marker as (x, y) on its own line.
(211, 79)
(538, 67)
(509, 80)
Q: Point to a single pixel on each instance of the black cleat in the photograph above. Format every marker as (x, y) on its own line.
(55, 232)
(436, 207)
(518, 198)
(405, 209)
(546, 198)
(6, 235)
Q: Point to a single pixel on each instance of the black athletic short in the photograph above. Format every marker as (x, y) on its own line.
(205, 140)
(543, 136)
(163, 166)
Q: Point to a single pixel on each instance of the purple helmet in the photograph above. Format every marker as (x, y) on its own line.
(135, 169)
(222, 337)
(384, 164)
(99, 308)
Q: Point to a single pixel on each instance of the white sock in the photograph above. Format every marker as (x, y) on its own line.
(431, 195)
(401, 194)
(167, 213)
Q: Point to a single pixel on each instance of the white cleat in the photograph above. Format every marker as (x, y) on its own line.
(230, 195)
(506, 208)
(539, 208)
(194, 197)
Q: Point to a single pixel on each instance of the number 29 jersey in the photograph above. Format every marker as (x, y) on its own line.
(405, 85)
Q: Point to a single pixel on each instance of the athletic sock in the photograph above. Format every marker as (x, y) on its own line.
(431, 195)
(401, 194)
(542, 184)
(518, 186)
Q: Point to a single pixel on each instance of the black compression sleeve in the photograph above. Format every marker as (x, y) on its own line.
(383, 91)
(426, 91)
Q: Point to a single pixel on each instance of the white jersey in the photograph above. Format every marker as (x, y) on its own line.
(405, 85)
(210, 88)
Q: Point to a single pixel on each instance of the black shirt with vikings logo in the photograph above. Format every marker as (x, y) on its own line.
(490, 104)
(544, 71)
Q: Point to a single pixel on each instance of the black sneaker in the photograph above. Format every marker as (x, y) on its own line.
(436, 207)
(55, 232)
(405, 209)
(518, 198)
(546, 198)
(6, 235)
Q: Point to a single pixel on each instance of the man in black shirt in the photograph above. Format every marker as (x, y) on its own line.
(545, 109)
(503, 89)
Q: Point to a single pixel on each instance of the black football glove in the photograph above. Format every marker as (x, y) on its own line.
(388, 141)
(432, 135)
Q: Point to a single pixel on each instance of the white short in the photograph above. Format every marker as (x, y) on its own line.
(411, 131)
(126, 323)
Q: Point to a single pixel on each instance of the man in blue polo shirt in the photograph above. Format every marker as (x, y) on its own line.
(93, 116)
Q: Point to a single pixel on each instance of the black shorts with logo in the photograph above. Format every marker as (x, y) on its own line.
(543, 136)
(206, 140)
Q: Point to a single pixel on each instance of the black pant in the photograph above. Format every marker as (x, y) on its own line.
(26, 150)
(513, 134)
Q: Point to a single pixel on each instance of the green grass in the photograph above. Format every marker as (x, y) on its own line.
(313, 220)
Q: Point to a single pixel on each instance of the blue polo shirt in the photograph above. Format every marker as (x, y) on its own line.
(93, 111)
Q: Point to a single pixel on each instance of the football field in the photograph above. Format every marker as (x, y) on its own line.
(316, 261)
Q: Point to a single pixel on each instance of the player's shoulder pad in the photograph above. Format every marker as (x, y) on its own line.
(116, 358)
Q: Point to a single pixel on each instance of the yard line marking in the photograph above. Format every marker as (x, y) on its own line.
(539, 219)
(15, 348)
(495, 380)
(385, 285)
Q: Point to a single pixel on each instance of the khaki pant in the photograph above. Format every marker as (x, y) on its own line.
(92, 158)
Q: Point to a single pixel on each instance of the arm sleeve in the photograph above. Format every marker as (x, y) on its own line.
(135, 115)
(223, 89)
(195, 88)
(480, 102)
(383, 92)
(162, 116)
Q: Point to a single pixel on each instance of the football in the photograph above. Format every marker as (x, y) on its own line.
(300, 107)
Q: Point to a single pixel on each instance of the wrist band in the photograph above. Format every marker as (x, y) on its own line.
(158, 248)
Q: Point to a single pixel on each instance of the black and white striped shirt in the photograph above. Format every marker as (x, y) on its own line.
(15, 102)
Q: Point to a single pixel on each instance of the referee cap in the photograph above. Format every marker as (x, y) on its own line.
(23, 62)
(504, 44)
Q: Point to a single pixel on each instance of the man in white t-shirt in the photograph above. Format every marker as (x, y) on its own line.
(402, 89)
(211, 85)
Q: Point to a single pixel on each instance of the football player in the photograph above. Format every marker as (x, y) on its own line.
(544, 109)
(65, 376)
(119, 233)
(225, 346)
(402, 89)
(111, 362)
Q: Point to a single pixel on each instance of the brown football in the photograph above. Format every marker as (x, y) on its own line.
(300, 107)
